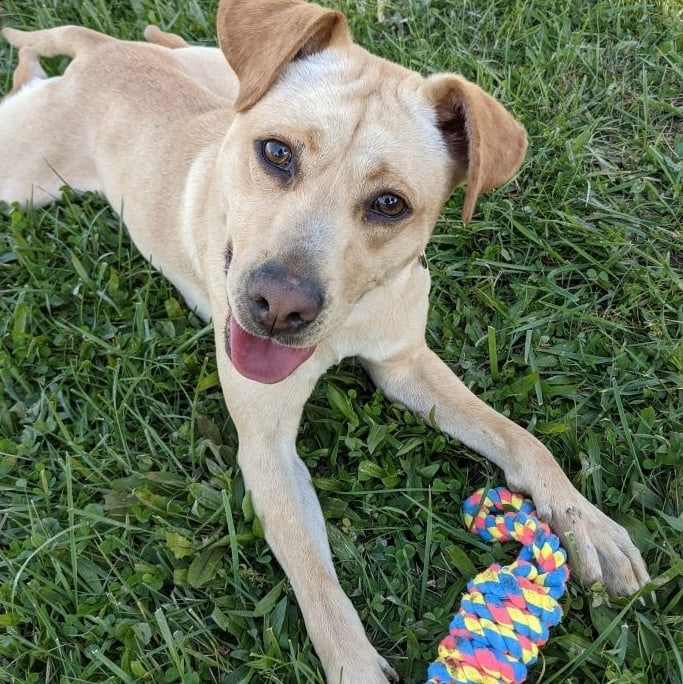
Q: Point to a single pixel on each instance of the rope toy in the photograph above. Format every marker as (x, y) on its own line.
(507, 611)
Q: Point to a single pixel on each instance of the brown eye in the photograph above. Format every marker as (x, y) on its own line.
(277, 154)
(389, 206)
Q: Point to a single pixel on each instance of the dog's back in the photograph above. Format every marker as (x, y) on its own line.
(105, 78)
(128, 120)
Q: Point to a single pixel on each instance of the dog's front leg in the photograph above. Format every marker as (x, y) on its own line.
(267, 419)
(421, 381)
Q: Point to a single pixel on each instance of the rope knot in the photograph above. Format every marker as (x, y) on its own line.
(507, 612)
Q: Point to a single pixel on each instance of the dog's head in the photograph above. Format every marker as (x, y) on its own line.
(335, 170)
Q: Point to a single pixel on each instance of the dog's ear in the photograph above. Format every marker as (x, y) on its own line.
(486, 142)
(260, 37)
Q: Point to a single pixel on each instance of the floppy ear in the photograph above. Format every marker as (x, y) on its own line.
(481, 135)
(260, 37)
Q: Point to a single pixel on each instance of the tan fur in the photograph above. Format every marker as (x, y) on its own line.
(27, 69)
(170, 135)
(282, 29)
(153, 34)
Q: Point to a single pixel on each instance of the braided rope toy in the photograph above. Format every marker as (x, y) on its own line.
(507, 611)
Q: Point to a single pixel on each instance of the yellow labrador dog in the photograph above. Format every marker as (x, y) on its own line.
(289, 197)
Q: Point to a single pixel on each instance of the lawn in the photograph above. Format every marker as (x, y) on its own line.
(129, 550)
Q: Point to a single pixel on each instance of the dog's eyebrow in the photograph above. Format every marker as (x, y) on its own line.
(381, 176)
(379, 173)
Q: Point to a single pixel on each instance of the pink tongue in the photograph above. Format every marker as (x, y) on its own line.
(262, 359)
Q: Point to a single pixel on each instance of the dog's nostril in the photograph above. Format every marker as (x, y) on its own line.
(295, 320)
(260, 305)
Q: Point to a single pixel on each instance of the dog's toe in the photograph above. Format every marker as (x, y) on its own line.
(389, 672)
(623, 569)
(604, 550)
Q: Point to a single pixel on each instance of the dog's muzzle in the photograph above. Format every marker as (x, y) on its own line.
(280, 306)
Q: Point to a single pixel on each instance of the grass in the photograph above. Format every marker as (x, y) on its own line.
(129, 551)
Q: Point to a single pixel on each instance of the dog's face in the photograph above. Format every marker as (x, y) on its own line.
(335, 169)
(334, 181)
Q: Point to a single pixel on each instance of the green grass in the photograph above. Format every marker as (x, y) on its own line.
(129, 551)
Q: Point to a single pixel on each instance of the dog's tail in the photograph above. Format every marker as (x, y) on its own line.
(63, 40)
(153, 34)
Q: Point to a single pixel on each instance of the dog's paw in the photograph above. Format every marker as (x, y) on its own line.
(388, 671)
(368, 668)
(345, 652)
(377, 672)
(603, 548)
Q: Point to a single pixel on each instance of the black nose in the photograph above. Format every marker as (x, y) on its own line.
(281, 301)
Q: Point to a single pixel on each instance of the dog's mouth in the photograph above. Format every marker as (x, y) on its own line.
(262, 358)
(257, 357)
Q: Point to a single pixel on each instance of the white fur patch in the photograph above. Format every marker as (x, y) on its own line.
(196, 178)
(29, 87)
(335, 67)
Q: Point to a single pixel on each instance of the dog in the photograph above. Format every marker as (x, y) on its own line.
(287, 184)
